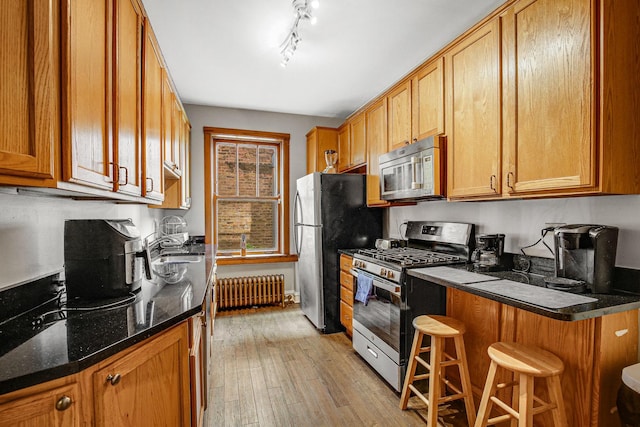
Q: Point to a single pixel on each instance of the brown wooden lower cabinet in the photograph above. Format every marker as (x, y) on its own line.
(594, 351)
(346, 294)
(147, 384)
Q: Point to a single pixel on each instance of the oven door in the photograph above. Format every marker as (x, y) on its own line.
(381, 314)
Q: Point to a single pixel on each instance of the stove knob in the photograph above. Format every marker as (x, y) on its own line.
(383, 272)
(390, 274)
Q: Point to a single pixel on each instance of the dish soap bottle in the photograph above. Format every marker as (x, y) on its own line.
(243, 245)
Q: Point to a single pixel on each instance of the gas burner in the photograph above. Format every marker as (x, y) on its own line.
(408, 256)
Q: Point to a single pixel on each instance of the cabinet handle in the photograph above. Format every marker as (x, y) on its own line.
(150, 188)
(406, 142)
(492, 182)
(126, 175)
(415, 139)
(113, 379)
(509, 184)
(63, 403)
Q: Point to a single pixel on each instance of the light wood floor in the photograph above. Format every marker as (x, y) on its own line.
(272, 368)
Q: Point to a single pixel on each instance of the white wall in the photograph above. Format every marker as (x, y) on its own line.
(295, 125)
(522, 220)
(32, 230)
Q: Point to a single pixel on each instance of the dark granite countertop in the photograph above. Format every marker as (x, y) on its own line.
(615, 302)
(62, 344)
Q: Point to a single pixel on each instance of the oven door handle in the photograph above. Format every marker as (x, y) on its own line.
(387, 286)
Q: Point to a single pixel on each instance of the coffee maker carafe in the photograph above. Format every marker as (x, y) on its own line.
(488, 253)
(587, 252)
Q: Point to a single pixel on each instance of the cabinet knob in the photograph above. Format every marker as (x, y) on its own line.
(63, 403)
(415, 139)
(113, 379)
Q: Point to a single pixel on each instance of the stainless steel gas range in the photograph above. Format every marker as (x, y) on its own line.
(386, 302)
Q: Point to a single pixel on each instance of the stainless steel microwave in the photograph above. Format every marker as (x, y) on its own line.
(414, 172)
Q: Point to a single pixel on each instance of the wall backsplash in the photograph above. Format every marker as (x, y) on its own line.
(522, 220)
(32, 231)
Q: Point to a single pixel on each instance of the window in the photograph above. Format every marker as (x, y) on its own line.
(248, 191)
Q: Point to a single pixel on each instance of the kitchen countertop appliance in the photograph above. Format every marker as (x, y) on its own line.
(415, 171)
(382, 319)
(586, 253)
(488, 252)
(330, 213)
(103, 258)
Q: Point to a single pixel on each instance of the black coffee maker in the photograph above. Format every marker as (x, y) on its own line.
(103, 258)
(488, 253)
(586, 252)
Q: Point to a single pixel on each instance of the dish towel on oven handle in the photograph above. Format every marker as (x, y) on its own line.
(365, 285)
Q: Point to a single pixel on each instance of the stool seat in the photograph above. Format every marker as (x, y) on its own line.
(525, 359)
(439, 326)
(438, 329)
(526, 363)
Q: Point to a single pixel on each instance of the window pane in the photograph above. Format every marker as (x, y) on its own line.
(226, 170)
(247, 170)
(258, 220)
(268, 168)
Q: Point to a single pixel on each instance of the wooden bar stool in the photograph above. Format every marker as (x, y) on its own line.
(527, 363)
(438, 328)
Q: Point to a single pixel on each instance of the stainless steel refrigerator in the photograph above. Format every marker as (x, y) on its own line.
(330, 213)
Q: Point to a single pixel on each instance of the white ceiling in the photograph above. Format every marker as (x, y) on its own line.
(226, 53)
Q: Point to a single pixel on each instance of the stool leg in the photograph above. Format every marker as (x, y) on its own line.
(461, 354)
(515, 397)
(489, 390)
(411, 369)
(434, 380)
(555, 395)
(525, 405)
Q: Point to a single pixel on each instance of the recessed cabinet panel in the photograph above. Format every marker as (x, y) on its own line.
(87, 139)
(28, 95)
(473, 114)
(357, 148)
(399, 116)
(428, 100)
(549, 87)
(343, 147)
(376, 121)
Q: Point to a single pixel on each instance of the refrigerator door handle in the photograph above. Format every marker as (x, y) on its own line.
(296, 203)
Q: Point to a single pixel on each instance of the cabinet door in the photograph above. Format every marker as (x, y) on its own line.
(149, 386)
(198, 370)
(343, 147)
(399, 116)
(473, 114)
(152, 113)
(376, 122)
(313, 158)
(57, 407)
(481, 317)
(28, 96)
(87, 95)
(428, 100)
(549, 87)
(357, 148)
(128, 96)
(185, 163)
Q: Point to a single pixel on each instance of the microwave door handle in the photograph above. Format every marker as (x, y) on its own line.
(414, 173)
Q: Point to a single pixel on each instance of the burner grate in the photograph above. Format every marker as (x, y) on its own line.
(408, 256)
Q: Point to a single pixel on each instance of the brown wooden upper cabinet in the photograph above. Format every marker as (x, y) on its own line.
(320, 139)
(29, 73)
(376, 138)
(566, 123)
(152, 154)
(427, 86)
(549, 96)
(474, 145)
(344, 136)
(399, 115)
(352, 144)
(87, 67)
(127, 100)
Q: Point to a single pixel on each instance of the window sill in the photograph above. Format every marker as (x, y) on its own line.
(254, 259)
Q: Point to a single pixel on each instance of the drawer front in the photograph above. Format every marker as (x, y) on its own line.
(375, 357)
(345, 262)
(346, 317)
(346, 295)
(346, 280)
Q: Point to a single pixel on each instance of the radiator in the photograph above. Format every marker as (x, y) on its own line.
(235, 292)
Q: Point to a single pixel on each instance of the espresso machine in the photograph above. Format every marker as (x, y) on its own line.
(487, 255)
(586, 253)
